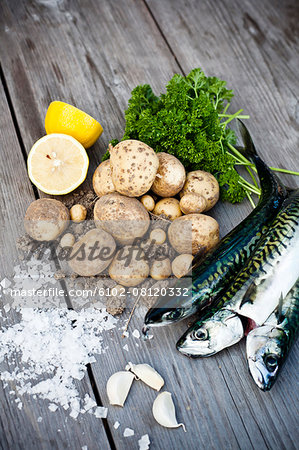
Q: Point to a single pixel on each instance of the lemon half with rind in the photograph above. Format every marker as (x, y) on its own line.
(57, 164)
(67, 119)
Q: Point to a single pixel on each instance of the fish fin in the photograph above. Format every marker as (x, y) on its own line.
(280, 316)
(249, 294)
(249, 148)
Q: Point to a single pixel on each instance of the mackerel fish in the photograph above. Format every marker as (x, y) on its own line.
(268, 346)
(254, 295)
(212, 275)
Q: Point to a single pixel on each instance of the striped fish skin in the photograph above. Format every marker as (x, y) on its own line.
(212, 275)
(255, 293)
(268, 346)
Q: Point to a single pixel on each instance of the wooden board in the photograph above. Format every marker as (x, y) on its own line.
(92, 55)
(254, 46)
(19, 429)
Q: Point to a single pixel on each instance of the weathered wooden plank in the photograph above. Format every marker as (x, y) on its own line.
(19, 429)
(101, 44)
(254, 46)
(262, 39)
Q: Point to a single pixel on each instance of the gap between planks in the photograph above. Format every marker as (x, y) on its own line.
(57, 266)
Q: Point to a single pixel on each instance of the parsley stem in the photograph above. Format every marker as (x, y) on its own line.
(250, 199)
(244, 116)
(248, 163)
(231, 117)
(249, 186)
(291, 172)
(252, 176)
(225, 109)
(237, 153)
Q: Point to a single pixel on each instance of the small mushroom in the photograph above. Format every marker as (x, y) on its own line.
(147, 374)
(164, 411)
(118, 387)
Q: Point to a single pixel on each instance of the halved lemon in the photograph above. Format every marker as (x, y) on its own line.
(57, 164)
(67, 119)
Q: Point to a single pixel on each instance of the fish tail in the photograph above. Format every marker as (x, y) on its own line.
(249, 150)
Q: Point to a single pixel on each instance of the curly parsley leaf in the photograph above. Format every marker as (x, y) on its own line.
(185, 122)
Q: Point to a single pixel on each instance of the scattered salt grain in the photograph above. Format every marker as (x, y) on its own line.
(128, 432)
(70, 339)
(101, 412)
(39, 419)
(125, 347)
(144, 442)
(126, 334)
(88, 403)
(52, 407)
(5, 283)
(116, 425)
(6, 307)
(136, 334)
(84, 447)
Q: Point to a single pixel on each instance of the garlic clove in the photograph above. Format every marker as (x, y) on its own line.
(164, 411)
(118, 387)
(147, 374)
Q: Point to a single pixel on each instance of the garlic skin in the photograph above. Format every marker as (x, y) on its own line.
(118, 387)
(147, 374)
(164, 411)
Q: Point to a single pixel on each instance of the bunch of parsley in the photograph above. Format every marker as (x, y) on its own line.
(190, 122)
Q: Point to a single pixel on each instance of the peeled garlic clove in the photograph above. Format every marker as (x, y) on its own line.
(118, 387)
(147, 374)
(164, 411)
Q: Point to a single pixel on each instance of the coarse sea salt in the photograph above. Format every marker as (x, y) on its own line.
(144, 442)
(116, 425)
(128, 432)
(101, 412)
(136, 334)
(47, 351)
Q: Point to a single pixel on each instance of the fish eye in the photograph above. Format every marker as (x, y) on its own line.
(201, 334)
(271, 362)
(174, 315)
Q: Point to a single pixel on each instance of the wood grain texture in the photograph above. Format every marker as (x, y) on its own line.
(254, 46)
(19, 429)
(92, 54)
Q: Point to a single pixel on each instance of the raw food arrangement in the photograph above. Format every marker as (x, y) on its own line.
(176, 159)
(145, 231)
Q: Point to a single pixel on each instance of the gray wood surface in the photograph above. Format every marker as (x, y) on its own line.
(19, 429)
(91, 54)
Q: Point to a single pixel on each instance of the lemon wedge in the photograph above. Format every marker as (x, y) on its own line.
(67, 119)
(57, 164)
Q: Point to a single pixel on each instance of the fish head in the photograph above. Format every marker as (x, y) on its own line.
(212, 334)
(162, 316)
(265, 348)
(171, 308)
